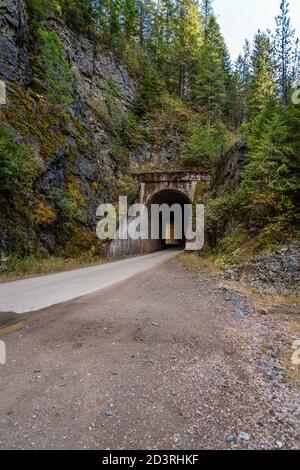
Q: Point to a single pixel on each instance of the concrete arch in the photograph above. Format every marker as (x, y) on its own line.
(172, 197)
(160, 188)
(168, 196)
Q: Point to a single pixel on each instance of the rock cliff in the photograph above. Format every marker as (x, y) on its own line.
(73, 150)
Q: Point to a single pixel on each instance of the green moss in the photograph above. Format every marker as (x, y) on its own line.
(32, 119)
(43, 213)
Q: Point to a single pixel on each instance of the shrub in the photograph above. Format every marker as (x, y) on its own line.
(17, 164)
(126, 127)
(41, 10)
(127, 186)
(60, 82)
(148, 93)
(204, 146)
(67, 207)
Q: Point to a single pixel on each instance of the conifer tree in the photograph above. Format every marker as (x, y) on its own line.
(213, 74)
(286, 51)
(263, 84)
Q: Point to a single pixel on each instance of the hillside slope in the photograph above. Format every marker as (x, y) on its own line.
(75, 167)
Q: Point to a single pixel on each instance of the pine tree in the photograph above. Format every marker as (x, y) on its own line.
(241, 82)
(130, 19)
(286, 51)
(213, 75)
(207, 11)
(187, 42)
(263, 84)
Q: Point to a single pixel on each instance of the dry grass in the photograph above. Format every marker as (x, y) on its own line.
(265, 301)
(12, 328)
(193, 262)
(18, 268)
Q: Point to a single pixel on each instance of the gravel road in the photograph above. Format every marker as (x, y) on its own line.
(164, 360)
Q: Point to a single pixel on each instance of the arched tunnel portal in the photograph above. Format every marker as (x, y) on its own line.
(158, 188)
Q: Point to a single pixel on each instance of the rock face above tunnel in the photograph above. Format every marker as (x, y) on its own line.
(228, 171)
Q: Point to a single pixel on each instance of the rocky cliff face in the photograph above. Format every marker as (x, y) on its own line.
(228, 172)
(73, 151)
(13, 34)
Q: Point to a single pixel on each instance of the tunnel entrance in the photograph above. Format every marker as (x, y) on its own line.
(168, 235)
(161, 187)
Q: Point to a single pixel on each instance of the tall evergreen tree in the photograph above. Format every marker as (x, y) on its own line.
(207, 11)
(187, 42)
(263, 84)
(213, 74)
(286, 50)
(241, 86)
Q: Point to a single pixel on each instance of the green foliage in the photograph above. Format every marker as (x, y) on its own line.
(14, 267)
(67, 206)
(17, 164)
(126, 127)
(204, 146)
(266, 203)
(56, 68)
(263, 85)
(270, 183)
(127, 186)
(148, 93)
(116, 149)
(78, 14)
(218, 212)
(41, 10)
(213, 76)
(230, 243)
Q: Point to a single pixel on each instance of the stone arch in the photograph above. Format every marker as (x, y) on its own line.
(160, 187)
(168, 196)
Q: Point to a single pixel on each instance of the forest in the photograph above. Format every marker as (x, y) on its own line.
(175, 51)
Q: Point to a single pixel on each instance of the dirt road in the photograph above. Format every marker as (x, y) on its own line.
(164, 360)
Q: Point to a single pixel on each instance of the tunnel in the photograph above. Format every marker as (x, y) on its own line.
(166, 229)
(161, 187)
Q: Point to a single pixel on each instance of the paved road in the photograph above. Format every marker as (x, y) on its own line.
(36, 293)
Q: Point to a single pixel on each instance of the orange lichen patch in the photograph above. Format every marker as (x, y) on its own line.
(95, 187)
(44, 214)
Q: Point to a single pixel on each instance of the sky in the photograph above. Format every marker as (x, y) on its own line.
(240, 19)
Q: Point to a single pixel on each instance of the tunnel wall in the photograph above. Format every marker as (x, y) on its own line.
(133, 247)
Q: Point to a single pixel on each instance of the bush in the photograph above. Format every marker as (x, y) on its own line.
(41, 10)
(78, 14)
(17, 164)
(126, 127)
(67, 207)
(60, 82)
(204, 146)
(148, 93)
(127, 186)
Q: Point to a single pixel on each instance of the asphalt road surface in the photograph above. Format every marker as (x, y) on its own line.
(36, 293)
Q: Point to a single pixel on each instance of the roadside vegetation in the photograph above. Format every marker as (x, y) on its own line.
(13, 267)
